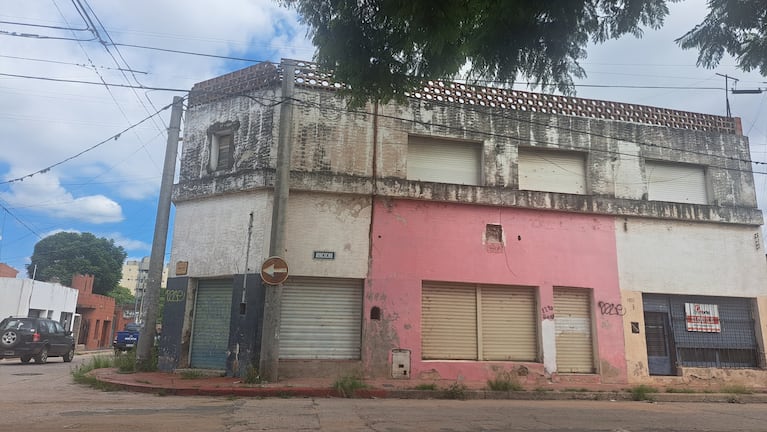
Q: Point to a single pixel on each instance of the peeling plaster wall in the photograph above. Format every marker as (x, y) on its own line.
(332, 223)
(416, 241)
(669, 257)
(212, 234)
(636, 344)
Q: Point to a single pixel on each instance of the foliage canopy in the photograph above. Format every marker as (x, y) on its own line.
(382, 47)
(738, 28)
(65, 254)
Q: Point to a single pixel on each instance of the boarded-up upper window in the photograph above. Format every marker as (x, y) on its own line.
(676, 182)
(552, 171)
(444, 161)
(221, 151)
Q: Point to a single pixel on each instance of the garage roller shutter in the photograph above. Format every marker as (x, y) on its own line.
(321, 319)
(508, 320)
(210, 331)
(449, 321)
(572, 318)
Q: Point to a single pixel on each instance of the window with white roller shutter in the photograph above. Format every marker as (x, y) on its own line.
(552, 171)
(478, 322)
(444, 161)
(675, 182)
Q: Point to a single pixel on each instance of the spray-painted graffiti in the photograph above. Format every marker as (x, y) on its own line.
(174, 296)
(547, 312)
(611, 308)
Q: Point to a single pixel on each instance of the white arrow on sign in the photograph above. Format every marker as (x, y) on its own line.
(271, 270)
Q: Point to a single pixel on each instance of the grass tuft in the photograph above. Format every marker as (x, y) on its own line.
(642, 392)
(430, 387)
(504, 381)
(191, 374)
(737, 389)
(456, 391)
(347, 385)
(251, 375)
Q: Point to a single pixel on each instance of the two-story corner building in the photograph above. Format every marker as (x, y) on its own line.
(466, 232)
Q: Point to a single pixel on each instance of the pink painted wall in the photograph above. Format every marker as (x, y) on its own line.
(415, 241)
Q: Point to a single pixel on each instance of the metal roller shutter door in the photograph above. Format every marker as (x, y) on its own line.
(550, 171)
(676, 183)
(448, 321)
(572, 318)
(321, 319)
(210, 331)
(508, 323)
(443, 161)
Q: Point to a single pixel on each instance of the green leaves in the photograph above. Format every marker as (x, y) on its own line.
(738, 28)
(61, 255)
(383, 48)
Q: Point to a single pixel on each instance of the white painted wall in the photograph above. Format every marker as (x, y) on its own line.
(333, 223)
(690, 258)
(18, 296)
(212, 234)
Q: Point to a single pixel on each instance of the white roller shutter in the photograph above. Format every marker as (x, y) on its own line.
(321, 318)
(508, 323)
(448, 321)
(572, 321)
(552, 171)
(210, 330)
(676, 182)
(444, 161)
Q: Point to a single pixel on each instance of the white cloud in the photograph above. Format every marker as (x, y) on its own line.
(127, 243)
(42, 193)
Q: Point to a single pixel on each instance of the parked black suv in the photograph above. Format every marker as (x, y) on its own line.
(35, 338)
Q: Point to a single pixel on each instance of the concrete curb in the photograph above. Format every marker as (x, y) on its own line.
(203, 388)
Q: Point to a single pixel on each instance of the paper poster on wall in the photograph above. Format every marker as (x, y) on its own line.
(702, 317)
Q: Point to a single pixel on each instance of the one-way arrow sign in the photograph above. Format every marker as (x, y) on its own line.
(274, 270)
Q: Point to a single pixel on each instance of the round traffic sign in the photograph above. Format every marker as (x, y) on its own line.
(274, 270)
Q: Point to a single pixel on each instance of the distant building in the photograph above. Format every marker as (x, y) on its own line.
(30, 298)
(7, 271)
(136, 274)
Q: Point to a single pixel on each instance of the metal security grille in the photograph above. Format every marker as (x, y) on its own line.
(735, 346)
(210, 331)
(321, 318)
(676, 182)
(572, 319)
(508, 323)
(448, 321)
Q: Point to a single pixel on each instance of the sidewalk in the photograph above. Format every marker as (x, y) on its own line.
(162, 383)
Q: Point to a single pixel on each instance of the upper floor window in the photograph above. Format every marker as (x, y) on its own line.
(444, 161)
(221, 151)
(675, 182)
(552, 171)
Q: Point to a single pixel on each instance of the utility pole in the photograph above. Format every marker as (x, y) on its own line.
(727, 79)
(157, 257)
(270, 339)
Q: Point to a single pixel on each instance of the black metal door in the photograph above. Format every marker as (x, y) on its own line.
(659, 344)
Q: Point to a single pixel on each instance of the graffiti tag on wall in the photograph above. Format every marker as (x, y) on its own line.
(611, 308)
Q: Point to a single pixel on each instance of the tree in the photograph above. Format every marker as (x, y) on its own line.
(64, 254)
(381, 48)
(122, 296)
(738, 28)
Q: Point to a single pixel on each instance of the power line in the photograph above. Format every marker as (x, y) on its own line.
(113, 137)
(37, 36)
(94, 83)
(190, 53)
(69, 63)
(43, 26)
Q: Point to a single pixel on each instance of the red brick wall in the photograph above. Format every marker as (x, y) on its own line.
(98, 314)
(7, 271)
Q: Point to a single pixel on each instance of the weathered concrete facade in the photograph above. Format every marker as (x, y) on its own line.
(353, 202)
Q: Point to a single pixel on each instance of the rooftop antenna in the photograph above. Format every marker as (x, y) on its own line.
(727, 79)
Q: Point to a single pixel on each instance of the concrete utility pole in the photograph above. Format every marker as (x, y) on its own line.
(157, 257)
(270, 339)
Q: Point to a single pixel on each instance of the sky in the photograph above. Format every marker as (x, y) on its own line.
(111, 190)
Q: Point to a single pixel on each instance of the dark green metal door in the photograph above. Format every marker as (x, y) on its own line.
(210, 331)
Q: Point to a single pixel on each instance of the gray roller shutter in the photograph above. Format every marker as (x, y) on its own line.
(676, 182)
(321, 318)
(444, 161)
(448, 321)
(210, 330)
(508, 320)
(572, 319)
(552, 171)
